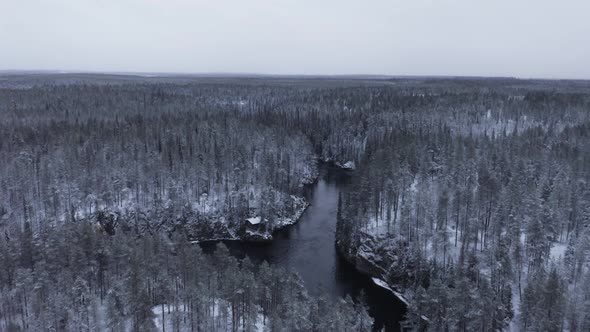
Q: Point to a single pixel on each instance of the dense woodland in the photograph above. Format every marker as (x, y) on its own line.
(73, 278)
(477, 206)
(150, 157)
(471, 197)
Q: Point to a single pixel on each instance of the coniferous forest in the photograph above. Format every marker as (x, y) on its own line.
(469, 198)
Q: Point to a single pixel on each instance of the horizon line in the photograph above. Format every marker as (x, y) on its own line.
(156, 74)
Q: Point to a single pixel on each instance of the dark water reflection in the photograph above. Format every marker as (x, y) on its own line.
(308, 248)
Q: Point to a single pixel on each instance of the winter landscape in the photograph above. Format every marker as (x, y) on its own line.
(122, 198)
(294, 166)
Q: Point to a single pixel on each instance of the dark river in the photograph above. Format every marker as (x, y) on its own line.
(308, 247)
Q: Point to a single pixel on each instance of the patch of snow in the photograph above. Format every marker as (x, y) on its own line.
(349, 165)
(254, 220)
(381, 283)
(260, 235)
(558, 251)
(184, 325)
(513, 325)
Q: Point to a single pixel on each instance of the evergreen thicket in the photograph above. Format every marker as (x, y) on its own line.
(471, 196)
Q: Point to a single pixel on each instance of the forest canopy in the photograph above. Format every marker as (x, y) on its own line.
(470, 196)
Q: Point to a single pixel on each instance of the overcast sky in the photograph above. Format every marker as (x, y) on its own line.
(523, 38)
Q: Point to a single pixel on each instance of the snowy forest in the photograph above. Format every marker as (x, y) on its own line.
(469, 198)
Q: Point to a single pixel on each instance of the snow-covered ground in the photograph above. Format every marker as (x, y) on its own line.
(349, 165)
(222, 322)
(301, 205)
(254, 231)
(219, 322)
(558, 251)
(254, 220)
